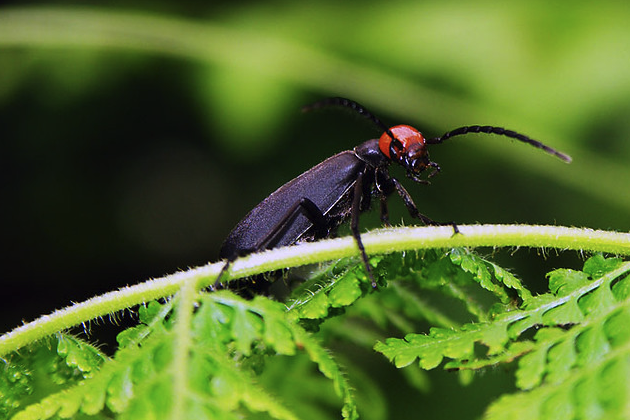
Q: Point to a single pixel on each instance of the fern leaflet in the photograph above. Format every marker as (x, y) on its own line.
(230, 338)
(576, 365)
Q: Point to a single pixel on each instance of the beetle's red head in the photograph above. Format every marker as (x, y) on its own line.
(408, 149)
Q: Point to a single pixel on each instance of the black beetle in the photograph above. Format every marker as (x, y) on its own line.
(312, 205)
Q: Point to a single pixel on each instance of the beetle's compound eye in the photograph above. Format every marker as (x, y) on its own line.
(416, 158)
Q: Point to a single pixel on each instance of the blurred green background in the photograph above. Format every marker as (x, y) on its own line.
(135, 135)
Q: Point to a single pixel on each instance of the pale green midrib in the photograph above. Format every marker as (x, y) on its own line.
(182, 344)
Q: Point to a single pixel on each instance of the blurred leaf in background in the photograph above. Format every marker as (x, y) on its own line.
(134, 136)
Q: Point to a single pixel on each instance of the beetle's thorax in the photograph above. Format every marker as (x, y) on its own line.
(369, 153)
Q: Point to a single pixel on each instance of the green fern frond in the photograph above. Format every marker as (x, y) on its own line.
(337, 287)
(489, 275)
(212, 355)
(343, 284)
(226, 334)
(577, 358)
(582, 371)
(44, 368)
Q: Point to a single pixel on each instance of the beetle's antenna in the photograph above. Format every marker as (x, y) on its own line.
(487, 129)
(355, 106)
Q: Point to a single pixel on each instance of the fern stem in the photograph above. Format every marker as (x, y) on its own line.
(387, 240)
(102, 305)
(380, 241)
